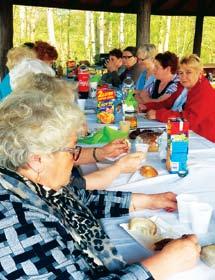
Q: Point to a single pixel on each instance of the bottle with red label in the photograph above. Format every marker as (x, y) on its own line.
(83, 81)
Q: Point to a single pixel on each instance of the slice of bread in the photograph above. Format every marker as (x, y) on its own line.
(143, 225)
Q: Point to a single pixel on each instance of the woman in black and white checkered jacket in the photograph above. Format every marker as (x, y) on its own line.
(48, 220)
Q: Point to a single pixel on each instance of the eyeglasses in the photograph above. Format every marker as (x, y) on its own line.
(127, 56)
(75, 152)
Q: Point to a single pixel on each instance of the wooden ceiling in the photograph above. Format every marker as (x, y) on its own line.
(159, 7)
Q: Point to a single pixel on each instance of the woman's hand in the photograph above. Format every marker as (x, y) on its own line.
(130, 163)
(176, 256)
(165, 201)
(111, 66)
(113, 149)
(151, 114)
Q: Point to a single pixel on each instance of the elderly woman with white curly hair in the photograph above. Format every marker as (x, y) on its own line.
(49, 227)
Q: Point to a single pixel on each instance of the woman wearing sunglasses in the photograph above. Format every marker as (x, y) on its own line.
(49, 224)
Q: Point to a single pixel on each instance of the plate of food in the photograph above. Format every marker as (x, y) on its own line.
(152, 233)
(148, 136)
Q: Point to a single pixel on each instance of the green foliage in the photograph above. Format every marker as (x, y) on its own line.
(69, 30)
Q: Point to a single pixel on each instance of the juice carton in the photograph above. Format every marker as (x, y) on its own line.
(105, 105)
(177, 146)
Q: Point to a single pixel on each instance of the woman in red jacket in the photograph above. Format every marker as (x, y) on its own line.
(194, 101)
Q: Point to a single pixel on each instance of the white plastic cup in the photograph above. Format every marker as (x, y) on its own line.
(184, 202)
(93, 89)
(142, 147)
(81, 104)
(200, 216)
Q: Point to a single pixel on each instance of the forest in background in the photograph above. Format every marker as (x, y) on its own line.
(80, 35)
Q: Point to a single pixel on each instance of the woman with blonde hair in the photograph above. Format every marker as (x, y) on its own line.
(14, 57)
(50, 224)
(194, 100)
(20, 61)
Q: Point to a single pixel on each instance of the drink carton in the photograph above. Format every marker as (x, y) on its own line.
(105, 105)
(177, 146)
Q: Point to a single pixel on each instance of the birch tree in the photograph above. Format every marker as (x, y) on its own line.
(22, 23)
(101, 32)
(87, 33)
(110, 32)
(167, 34)
(92, 33)
(121, 30)
(50, 23)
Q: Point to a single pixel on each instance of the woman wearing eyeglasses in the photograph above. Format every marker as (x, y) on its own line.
(165, 83)
(49, 227)
(194, 100)
(145, 55)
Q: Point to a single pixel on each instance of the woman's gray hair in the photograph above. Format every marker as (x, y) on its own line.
(34, 123)
(57, 87)
(149, 50)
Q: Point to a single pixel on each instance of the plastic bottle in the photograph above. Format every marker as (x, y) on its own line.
(83, 81)
(127, 85)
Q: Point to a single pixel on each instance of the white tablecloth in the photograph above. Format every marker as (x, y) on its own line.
(200, 181)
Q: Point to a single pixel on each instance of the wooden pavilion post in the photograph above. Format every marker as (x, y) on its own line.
(143, 22)
(6, 33)
(198, 28)
(198, 35)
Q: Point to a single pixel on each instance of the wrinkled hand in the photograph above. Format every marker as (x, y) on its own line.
(115, 148)
(131, 162)
(182, 254)
(165, 201)
(151, 114)
(176, 256)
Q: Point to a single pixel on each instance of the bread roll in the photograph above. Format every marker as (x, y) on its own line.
(148, 171)
(143, 225)
(208, 255)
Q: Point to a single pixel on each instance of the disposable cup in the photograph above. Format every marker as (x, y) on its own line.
(81, 103)
(142, 147)
(124, 126)
(184, 202)
(200, 216)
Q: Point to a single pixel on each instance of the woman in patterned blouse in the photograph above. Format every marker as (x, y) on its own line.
(49, 221)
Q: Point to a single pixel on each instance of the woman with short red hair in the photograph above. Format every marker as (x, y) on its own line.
(45, 52)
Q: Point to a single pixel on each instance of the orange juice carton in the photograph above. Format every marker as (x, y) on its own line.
(105, 105)
(177, 146)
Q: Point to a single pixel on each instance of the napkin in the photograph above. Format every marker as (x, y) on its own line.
(103, 136)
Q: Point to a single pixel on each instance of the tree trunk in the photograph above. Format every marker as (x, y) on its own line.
(22, 23)
(92, 31)
(50, 23)
(121, 31)
(87, 34)
(6, 33)
(34, 18)
(110, 33)
(101, 32)
(185, 35)
(68, 35)
(166, 39)
(161, 33)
